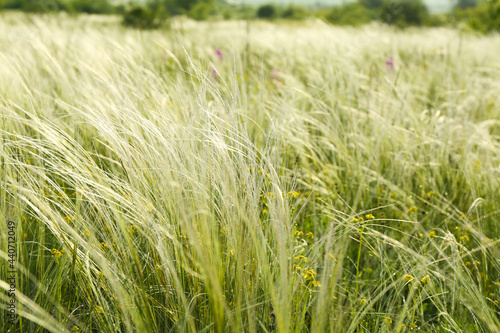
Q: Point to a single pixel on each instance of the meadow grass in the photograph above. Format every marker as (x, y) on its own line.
(296, 184)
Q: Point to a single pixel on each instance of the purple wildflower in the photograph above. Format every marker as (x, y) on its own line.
(215, 73)
(218, 53)
(389, 64)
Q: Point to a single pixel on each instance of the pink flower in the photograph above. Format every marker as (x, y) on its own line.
(218, 53)
(389, 64)
(215, 73)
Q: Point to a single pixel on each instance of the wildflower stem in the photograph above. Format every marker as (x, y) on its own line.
(360, 230)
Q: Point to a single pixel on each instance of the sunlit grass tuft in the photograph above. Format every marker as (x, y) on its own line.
(203, 179)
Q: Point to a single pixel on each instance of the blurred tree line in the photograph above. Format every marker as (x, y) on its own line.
(480, 15)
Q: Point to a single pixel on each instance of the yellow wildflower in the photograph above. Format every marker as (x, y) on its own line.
(104, 246)
(301, 257)
(75, 329)
(388, 320)
(299, 233)
(432, 234)
(413, 325)
(316, 284)
(297, 267)
(412, 209)
(464, 238)
(362, 301)
(54, 251)
(408, 277)
(426, 279)
(310, 274)
(69, 218)
(370, 217)
(310, 235)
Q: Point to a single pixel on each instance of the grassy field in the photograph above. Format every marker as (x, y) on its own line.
(225, 177)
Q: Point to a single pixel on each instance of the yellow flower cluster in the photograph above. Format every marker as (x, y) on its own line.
(301, 257)
(408, 277)
(426, 279)
(56, 253)
(69, 218)
(310, 274)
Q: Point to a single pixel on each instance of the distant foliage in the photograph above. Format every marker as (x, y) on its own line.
(295, 13)
(349, 14)
(145, 17)
(267, 11)
(485, 17)
(201, 11)
(372, 4)
(92, 6)
(37, 6)
(462, 4)
(405, 12)
(44, 6)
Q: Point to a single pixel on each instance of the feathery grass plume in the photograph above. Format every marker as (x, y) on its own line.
(176, 202)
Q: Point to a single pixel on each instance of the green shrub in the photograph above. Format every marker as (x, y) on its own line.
(349, 14)
(92, 6)
(405, 12)
(201, 11)
(372, 4)
(484, 18)
(462, 4)
(145, 17)
(37, 6)
(295, 13)
(267, 11)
